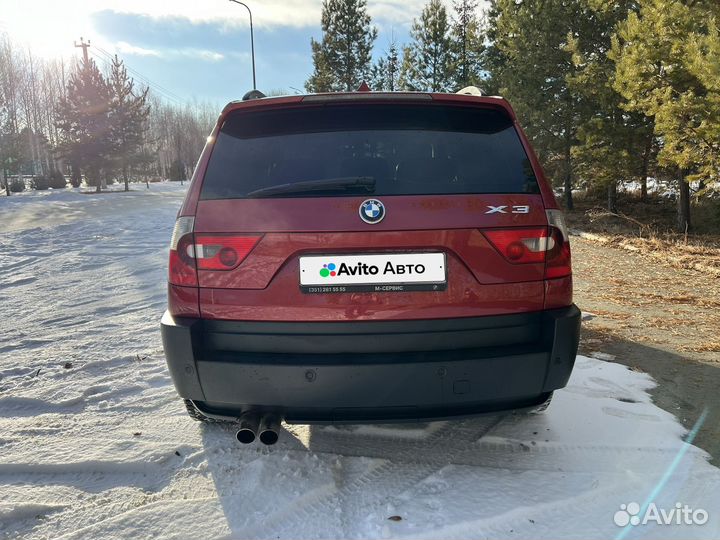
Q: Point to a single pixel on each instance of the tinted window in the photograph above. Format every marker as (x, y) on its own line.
(406, 149)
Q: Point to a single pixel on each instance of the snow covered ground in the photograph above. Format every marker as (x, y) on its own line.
(95, 444)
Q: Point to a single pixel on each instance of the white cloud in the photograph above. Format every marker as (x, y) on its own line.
(268, 13)
(198, 54)
(50, 27)
(126, 48)
(201, 54)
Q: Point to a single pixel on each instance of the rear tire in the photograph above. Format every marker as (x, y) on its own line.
(543, 406)
(197, 415)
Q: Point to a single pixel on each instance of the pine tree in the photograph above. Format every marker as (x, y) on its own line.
(468, 47)
(612, 145)
(129, 113)
(342, 60)
(428, 59)
(530, 64)
(385, 74)
(84, 122)
(667, 68)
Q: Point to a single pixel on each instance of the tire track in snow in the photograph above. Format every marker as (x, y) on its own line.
(343, 495)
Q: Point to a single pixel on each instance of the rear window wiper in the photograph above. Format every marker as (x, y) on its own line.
(365, 183)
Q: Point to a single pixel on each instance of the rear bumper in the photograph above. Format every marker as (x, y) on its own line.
(372, 371)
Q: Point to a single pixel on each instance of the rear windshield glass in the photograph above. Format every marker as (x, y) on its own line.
(397, 149)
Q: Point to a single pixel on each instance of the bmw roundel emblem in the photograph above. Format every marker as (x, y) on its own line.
(372, 211)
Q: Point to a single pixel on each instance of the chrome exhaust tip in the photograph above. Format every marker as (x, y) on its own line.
(248, 428)
(269, 431)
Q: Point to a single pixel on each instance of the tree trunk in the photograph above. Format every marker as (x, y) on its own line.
(612, 197)
(75, 175)
(125, 177)
(567, 181)
(683, 211)
(7, 182)
(94, 176)
(645, 168)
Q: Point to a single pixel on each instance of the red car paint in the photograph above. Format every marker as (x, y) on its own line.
(264, 286)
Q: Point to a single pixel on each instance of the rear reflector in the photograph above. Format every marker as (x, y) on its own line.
(221, 252)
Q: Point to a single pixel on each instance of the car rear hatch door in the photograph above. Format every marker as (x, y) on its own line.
(295, 192)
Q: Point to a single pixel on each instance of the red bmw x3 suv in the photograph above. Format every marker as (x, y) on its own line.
(368, 257)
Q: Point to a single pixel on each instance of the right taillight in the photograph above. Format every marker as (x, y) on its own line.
(182, 269)
(557, 262)
(536, 245)
(521, 246)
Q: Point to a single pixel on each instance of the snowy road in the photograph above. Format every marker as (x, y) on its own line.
(100, 447)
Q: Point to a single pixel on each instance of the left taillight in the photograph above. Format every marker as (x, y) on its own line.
(190, 252)
(222, 251)
(182, 269)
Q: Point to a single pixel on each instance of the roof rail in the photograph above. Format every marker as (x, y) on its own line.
(470, 91)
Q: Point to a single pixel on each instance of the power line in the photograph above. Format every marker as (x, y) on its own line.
(141, 76)
(144, 79)
(164, 93)
(106, 63)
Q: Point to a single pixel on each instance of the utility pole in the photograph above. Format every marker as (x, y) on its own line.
(84, 46)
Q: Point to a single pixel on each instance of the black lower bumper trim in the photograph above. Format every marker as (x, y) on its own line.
(372, 371)
(382, 415)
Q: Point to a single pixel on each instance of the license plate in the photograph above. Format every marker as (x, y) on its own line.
(392, 272)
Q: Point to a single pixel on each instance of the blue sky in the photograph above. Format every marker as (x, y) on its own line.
(204, 60)
(193, 49)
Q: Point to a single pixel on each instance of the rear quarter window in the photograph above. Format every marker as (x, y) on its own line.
(407, 149)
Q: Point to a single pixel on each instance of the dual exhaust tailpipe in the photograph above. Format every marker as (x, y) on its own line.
(252, 425)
